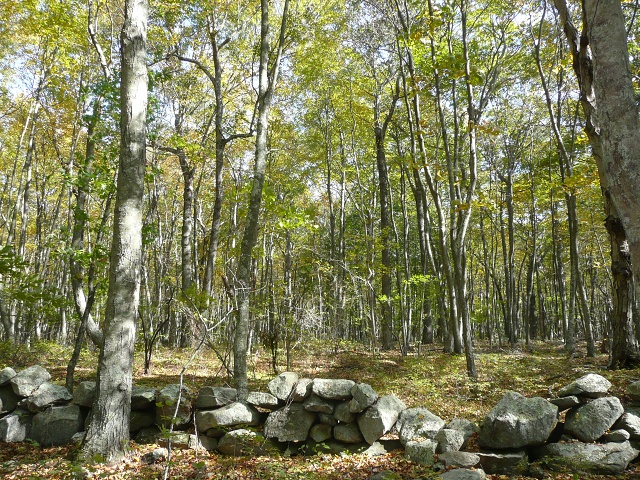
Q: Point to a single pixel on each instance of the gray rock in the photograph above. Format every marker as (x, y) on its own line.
(511, 463)
(56, 425)
(615, 436)
(327, 419)
(363, 397)
(78, 438)
(633, 390)
(416, 423)
(333, 389)
(380, 418)
(155, 456)
(607, 459)
(228, 416)
(281, 386)
(208, 443)
(178, 440)
(517, 422)
(349, 433)
(289, 424)
(565, 403)
(320, 432)
(85, 393)
(166, 402)
(343, 413)
(459, 459)
(421, 452)
(212, 397)
(262, 400)
(244, 442)
(141, 419)
(26, 381)
(590, 421)
(464, 426)
(318, 404)
(382, 447)
(8, 399)
(449, 440)
(463, 474)
(631, 423)
(302, 389)
(6, 374)
(142, 398)
(16, 426)
(591, 385)
(48, 394)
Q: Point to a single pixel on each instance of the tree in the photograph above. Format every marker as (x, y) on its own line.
(108, 433)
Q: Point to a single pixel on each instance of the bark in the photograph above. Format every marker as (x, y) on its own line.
(108, 433)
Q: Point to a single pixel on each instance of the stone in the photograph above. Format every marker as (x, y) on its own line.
(343, 414)
(302, 389)
(510, 463)
(244, 442)
(463, 474)
(16, 426)
(230, 415)
(633, 390)
(464, 426)
(459, 459)
(142, 398)
(141, 419)
(590, 421)
(25, 382)
(78, 438)
(282, 386)
(56, 425)
(320, 432)
(318, 404)
(449, 440)
(421, 451)
(155, 456)
(349, 433)
(85, 393)
(289, 424)
(591, 385)
(8, 399)
(605, 459)
(416, 423)
(262, 400)
(517, 422)
(380, 418)
(208, 443)
(6, 374)
(631, 423)
(363, 397)
(212, 397)
(565, 403)
(166, 401)
(333, 389)
(382, 447)
(178, 440)
(615, 436)
(327, 419)
(48, 394)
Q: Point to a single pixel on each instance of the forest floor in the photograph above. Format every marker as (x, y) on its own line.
(429, 378)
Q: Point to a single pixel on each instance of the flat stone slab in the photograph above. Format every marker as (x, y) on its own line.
(212, 397)
(333, 389)
(591, 385)
(565, 403)
(46, 395)
(510, 463)
(262, 400)
(459, 459)
(606, 459)
(230, 415)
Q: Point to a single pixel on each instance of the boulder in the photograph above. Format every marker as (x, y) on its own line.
(463, 474)
(25, 382)
(449, 440)
(333, 389)
(281, 386)
(212, 397)
(591, 385)
(421, 451)
(363, 397)
(48, 394)
(631, 423)
(416, 423)
(320, 432)
(228, 416)
(141, 419)
(380, 418)
(262, 400)
(509, 463)
(166, 401)
(318, 404)
(56, 425)
(565, 403)
(590, 421)
(517, 422)
(142, 398)
(302, 389)
(459, 459)
(603, 459)
(464, 426)
(6, 374)
(244, 442)
(15, 427)
(156, 455)
(349, 433)
(289, 424)
(85, 393)
(8, 399)
(343, 414)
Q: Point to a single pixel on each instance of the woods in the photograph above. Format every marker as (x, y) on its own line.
(390, 173)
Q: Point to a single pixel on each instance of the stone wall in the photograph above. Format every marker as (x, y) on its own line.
(584, 429)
